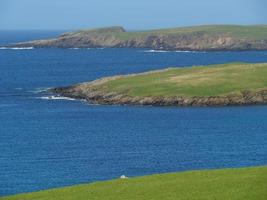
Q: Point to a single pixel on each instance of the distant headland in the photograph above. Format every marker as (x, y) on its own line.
(198, 38)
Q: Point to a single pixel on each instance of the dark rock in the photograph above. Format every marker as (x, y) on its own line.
(101, 97)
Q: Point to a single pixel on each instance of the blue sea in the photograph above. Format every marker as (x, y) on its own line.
(54, 142)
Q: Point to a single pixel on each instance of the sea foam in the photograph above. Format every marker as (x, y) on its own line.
(17, 48)
(56, 98)
(177, 51)
(155, 51)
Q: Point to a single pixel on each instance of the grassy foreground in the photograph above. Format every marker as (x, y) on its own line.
(230, 184)
(215, 80)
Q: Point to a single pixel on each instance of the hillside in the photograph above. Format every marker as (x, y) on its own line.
(227, 84)
(234, 184)
(198, 38)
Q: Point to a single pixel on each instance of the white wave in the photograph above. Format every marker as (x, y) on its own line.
(74, 48)
(156, 51)
(17, 48)
(177, 51)
(56, 98)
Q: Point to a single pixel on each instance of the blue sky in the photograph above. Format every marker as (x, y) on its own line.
(132, 14)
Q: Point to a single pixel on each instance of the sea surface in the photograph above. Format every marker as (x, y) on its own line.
(48, 142)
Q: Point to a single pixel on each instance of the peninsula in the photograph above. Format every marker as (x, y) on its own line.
(214, 85)
(198, 38)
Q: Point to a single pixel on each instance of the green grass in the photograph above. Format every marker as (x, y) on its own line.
(214, 80)
(226, 184)
(245, 32)
(253, 32)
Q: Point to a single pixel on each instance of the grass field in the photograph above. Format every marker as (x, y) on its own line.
(215, 80)
(253, 32)
(225, 184)
(246, 32)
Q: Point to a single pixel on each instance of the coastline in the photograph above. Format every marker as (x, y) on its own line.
(220, 85)
(111, 98)
(197, 38)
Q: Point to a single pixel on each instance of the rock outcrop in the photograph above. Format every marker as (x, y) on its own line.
(93, 95)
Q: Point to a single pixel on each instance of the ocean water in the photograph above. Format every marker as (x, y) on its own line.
(53, 142)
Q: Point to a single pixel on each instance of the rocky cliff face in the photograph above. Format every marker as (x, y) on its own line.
(117, 37)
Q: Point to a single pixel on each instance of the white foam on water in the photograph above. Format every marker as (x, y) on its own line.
(56, 98)
(178, 51)
(17, 48)
(155, 51)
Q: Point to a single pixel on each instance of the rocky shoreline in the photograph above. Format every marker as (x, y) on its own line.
(201, 42)
(110, 98)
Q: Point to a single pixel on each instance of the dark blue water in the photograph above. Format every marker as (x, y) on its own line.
(53, 143)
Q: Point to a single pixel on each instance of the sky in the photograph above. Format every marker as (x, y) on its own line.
(131, 14)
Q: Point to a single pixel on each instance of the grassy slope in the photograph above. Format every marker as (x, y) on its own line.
(242, 32)
(195, 81)
(234, 184)
(255, 32)
(248, 32)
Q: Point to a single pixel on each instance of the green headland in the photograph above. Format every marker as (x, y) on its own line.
(232, 184)
(226, 84)
(253, 32)
(197, 38)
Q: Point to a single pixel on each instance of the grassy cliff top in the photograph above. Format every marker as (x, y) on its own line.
(213, 80)
(234, 184)
(247, 32)
(252, 32)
